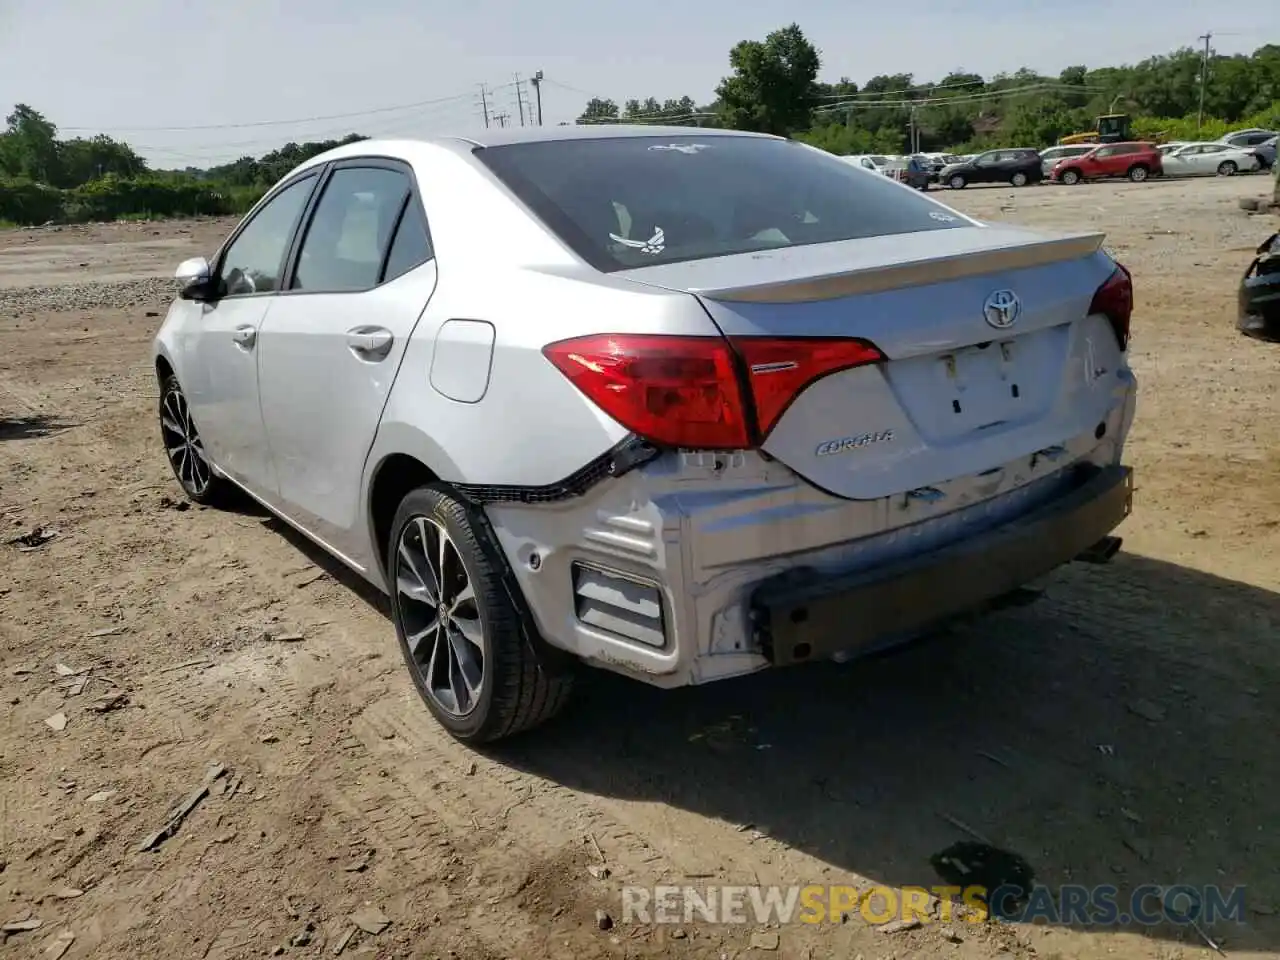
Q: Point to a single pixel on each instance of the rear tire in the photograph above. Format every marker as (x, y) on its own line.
(1227, 168)
(957, 182)
(1070, 177)
(1019, 179)
(461, 624)
(1138, 173)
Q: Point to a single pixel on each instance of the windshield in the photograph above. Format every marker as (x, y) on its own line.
(623, 202)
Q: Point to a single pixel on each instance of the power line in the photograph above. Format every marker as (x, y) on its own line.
(281, 123)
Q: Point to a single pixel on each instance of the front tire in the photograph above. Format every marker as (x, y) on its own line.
(1071, 177)
(185, 450)
(1227, 168)
(956, 183)
(468, 645)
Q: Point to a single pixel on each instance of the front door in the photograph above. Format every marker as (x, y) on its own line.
(220, 362)
(987, 167)
(332, 343)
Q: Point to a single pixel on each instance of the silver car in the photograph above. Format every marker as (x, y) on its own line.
(679, 404)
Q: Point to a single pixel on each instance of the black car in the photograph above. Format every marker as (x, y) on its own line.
(1017, 165)
(1259, 315)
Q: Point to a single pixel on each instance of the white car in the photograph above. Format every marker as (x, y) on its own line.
(680, 404)
(1208, 159)
(1049, 157)
(875, 162)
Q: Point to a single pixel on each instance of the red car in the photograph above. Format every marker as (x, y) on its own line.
(1137, 161)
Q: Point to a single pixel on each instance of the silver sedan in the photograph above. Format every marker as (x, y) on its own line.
(681, 404)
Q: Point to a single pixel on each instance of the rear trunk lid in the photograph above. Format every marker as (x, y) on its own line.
(959, 394)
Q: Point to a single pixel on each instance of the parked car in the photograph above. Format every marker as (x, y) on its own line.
(938, 162)
(1208, 159)
(1252, 137)
(915, 172)
(1168, 148)
(875, 162)
(1018, 166)
(1137, 161)
(1259, 310)
(666, 403)
(1266, 153)
(1050, 156)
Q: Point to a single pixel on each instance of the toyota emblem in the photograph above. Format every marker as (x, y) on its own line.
(1002, 309)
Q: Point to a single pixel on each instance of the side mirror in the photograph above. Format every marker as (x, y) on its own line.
(196, 276)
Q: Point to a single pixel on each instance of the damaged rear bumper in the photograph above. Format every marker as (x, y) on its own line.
(799, 616)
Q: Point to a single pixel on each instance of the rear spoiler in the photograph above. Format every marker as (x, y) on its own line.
(879, 278)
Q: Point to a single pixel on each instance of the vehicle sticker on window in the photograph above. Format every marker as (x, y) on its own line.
(944, 217)
(654, 245)
(681, 147)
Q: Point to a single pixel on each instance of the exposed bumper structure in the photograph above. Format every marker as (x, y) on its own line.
(655, 574)
(799, 617)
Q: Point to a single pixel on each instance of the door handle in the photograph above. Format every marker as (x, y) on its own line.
(245, 336)
(370, 343)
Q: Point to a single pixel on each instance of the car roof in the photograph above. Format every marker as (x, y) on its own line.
(501, 136)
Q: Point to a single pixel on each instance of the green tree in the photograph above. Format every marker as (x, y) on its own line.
(773, 88)
(30, 146)
(650, 110)
(82, 160)
(599, 111)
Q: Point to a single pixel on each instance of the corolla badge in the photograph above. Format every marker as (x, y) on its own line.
(828, 448)
(1002, 309)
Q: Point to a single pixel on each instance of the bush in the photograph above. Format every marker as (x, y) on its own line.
(114, 198)
(25, 202)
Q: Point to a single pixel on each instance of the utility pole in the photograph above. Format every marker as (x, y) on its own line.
(484, 105)
(537, 92)
(502, 118)
(1204, 76)
(520, 99)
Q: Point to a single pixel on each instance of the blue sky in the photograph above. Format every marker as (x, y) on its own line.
(117, 66)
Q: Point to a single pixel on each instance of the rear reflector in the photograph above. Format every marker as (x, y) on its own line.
(687, 391)
(1114, 299)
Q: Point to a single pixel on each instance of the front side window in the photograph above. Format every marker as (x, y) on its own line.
(254, 259)
(348, 236)
(623, 202)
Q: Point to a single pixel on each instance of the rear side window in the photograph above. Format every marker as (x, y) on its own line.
(351, 230)
(411, 246)
(624, 202)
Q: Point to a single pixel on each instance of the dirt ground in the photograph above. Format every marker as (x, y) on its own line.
(1120, 731)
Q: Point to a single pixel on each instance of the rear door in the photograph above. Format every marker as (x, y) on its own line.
(361, 275)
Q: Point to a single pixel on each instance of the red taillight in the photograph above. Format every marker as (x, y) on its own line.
(778, 369)
(1114, 299)
(686, 391)
(675, 391)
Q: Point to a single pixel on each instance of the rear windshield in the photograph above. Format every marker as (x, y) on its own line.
(624, 202)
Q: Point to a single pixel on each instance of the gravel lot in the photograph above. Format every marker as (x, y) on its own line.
(1121, 731)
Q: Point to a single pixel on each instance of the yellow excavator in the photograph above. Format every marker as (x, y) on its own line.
(1111, 128)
